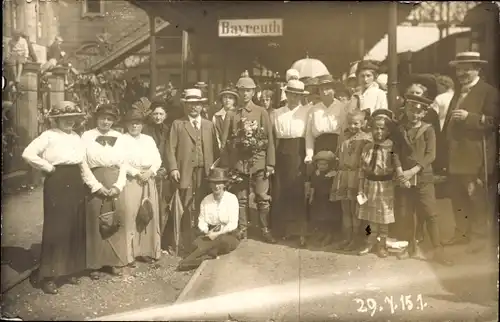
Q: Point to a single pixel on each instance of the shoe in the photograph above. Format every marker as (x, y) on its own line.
(382, 251)
(116, 271)
(132, 265)
(267, 236)
(458, 240)
(49, 287)
(74, 281)
(365, 250)
(243, 233)
(95, 276)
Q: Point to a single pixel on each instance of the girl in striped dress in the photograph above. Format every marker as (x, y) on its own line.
(378, 166)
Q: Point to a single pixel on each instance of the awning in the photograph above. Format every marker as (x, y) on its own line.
(410, 39)
(322, 30)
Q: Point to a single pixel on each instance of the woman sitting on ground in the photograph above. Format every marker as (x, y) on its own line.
(217, 222)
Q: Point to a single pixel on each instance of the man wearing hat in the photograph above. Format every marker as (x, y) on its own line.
(416, 191)
(229, 98)
(470, 126)
(289, 123)
(192, 148)
(255, 177)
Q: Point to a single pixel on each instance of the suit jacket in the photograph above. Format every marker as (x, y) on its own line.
(464, 138)
(181, 144)
(160, 134)
(230, 156)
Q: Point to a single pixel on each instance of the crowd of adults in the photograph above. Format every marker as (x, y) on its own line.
(334, 166)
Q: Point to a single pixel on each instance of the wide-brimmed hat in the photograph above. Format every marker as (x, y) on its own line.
(134, 115)
(158, 103)
(65, 109)
(200, 85)
(229, 90)
(467, 57)
(420, 101)
(296, 87)
(106, 109)
(309, 81)
(218, 175)
(324, 155)
(368, 65)
(193, 95)
(245, 83)
(429, 81)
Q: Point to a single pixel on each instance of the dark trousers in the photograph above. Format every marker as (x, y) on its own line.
(207, 248)
(259, 185)
(469, 209)
(414, 205)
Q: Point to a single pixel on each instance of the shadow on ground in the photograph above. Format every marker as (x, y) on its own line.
(21, 259)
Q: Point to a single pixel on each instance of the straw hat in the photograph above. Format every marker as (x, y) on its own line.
(193, 95)
(229, 90)
(65, 109)
(467, 57)
(245, 83)
(296, 87)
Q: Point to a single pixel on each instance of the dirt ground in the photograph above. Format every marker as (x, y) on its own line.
(143, 286)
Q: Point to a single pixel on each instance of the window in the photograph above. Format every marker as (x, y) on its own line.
(93, 8)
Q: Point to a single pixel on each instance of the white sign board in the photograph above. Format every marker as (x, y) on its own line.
(250, 27)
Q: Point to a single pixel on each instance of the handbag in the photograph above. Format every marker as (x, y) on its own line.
(145, 213)
(109, 222)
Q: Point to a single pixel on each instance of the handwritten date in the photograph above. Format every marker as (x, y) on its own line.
(391, 304)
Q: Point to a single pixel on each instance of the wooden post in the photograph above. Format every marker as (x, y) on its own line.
(392, 85)
(184, 59)
(152, 58)
(361, 34)
(26, 112)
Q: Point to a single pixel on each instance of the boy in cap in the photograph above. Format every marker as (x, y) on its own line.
(255, 177)
(416, 191)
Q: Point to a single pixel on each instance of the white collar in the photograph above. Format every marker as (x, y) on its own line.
(197, 119)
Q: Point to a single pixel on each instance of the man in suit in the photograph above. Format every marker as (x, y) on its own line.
(469, 127)
(256, 174)
(191, 150)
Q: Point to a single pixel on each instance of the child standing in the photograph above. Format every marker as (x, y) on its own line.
(378, 166)
(418, 197)
(345, 183)
(320, 206)
(17, 55)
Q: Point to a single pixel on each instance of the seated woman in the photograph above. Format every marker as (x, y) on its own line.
(218, 222)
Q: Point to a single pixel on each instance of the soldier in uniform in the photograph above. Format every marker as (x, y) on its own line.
(255, 175)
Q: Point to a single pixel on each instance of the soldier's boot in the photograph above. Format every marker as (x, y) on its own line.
(243, 224)
(264, 224)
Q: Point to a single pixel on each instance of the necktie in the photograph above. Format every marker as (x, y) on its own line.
(195, 125)
(373, 161)
(104, 139)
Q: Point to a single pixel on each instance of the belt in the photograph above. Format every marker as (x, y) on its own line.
(386, 177)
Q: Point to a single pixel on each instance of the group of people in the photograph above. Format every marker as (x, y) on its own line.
(320, 168)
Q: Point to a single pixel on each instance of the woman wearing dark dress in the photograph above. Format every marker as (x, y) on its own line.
(59, 153)
(159, 131)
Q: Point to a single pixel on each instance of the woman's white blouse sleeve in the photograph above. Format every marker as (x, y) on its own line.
(33, 151)
(87, 175)
(381, 101)
(232, 211)
(202, 223)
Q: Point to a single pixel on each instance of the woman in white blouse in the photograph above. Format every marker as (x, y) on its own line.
(106, 179)
(289, 124)
(218, 221)
(143, 161)
(59, 153)
(370, 97)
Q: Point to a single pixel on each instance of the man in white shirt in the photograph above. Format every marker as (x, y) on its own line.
(217, 222)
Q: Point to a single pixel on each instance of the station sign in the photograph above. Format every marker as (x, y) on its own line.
(250, 27)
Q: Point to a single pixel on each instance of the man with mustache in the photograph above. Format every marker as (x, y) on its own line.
(469, 128)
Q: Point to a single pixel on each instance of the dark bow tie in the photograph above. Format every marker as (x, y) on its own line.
(104, 139)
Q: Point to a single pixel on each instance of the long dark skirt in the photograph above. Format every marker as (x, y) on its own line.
(63, 239)
(290, 216)
(114, 251)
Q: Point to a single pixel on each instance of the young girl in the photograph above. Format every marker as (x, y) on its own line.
(345, 184)
(320, 206)
(378, 166)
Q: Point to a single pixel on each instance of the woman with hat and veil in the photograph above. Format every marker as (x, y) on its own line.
(217, 222)
(59, 153)
(107, 176)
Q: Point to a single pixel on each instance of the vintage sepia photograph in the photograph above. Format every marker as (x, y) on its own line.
(250, 161)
